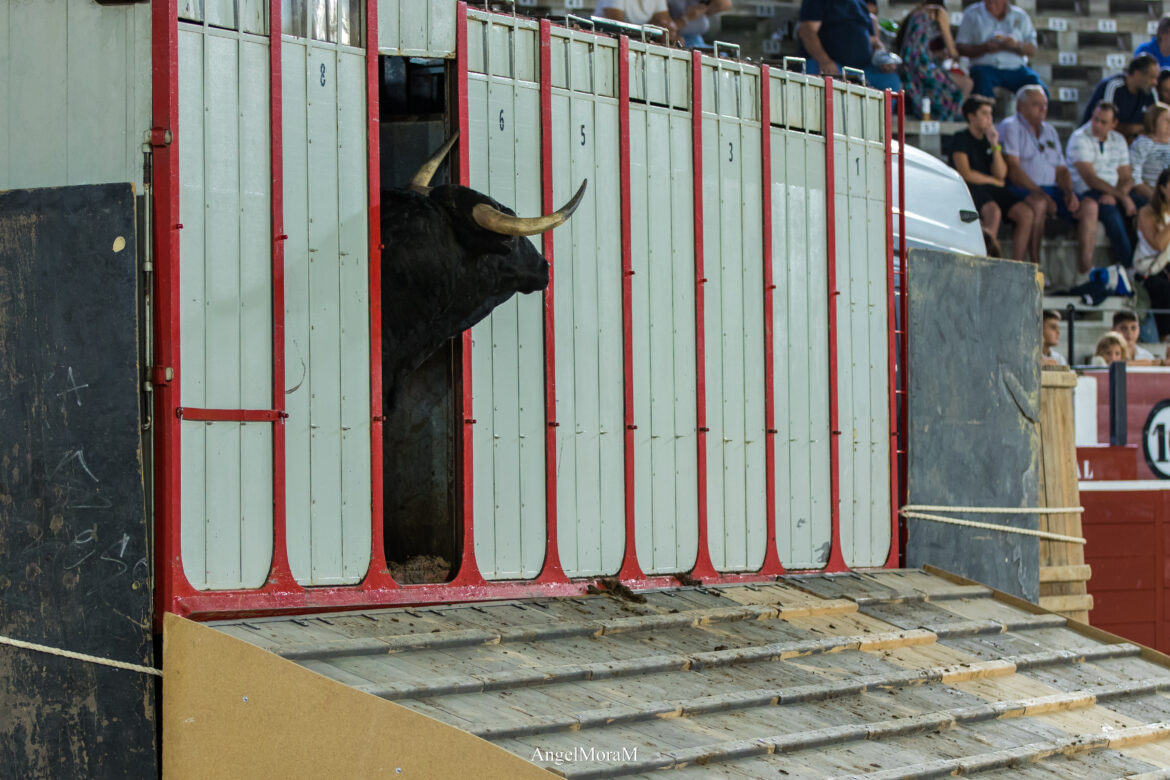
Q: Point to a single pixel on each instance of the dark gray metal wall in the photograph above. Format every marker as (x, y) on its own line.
(974, 402)
(74, 548)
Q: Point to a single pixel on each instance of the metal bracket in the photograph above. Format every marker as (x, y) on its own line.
(845, 71)
(803, 63)
(727, 45)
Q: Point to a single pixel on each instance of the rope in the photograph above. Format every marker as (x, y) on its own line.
(1007, 529)
(976, 510)
(93, 659)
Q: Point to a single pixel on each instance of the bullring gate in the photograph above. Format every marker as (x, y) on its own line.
(704, 392)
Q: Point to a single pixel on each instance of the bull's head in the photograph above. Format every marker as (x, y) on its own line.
(451, 256)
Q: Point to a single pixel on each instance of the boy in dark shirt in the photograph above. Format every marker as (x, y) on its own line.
(978, 157)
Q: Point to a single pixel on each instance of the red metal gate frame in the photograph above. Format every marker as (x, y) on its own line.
(281, 593)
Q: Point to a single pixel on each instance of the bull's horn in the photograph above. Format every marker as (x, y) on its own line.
(422, 180)
(498, 222)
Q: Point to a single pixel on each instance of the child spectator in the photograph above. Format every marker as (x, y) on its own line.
(998, 38)
(1110, 349)
(1051, 337)
(693, 18)
(1101, 171)
(1037, 172)
(1150, 153)
(1158, 47)
(1152, 256)
(925, 35)
(1126, 324)
(978, 157)
(1130, 93)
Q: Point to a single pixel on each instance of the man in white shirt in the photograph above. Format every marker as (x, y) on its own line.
(998, 38)
(636, 12)
(1036, 172)
(1099, 161)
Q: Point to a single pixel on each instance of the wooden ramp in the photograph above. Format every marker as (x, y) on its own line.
(890, 674)
(1063, 572)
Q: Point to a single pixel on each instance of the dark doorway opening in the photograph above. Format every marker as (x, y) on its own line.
(419, 440)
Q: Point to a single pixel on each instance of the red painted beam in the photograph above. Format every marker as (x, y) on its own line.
(836, 558)
(378, 574)
(703, 568)
(230, 415)
(772, 564)
(164, 141)
(468, 568)
(630, 570)
(552, 570)
(892, 366)
(279, 572)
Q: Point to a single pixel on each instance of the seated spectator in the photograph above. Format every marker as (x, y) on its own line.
(692, 18)
(835, 34)
(1126, 324)
(1163, 90)
(923, 37)
(636, 12)
(1130, 92)
(1110, 349)
(998, 38)
(1051, 337)
(1151, 259)
(1036, 171)
(978, 157)
(1150, 153)
(1158, 47)
(1101, 171)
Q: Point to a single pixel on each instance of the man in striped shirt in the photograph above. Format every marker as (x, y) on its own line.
(1131, 92)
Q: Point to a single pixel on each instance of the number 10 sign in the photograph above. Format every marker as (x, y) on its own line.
(1156, 439)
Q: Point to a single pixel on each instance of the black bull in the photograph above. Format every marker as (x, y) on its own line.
(451, 256)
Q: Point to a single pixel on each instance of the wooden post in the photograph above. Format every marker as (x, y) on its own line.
(1063, 572)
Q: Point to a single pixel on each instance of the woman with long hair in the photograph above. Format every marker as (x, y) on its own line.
(924, 37)
(1151, 258)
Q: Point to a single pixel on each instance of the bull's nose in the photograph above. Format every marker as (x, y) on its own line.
(537, 280)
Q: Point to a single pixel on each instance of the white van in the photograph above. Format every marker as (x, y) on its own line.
(939, 211)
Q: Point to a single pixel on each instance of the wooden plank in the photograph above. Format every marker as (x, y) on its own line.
(1065, 573)
(1062, 604)
(1058, 488)
(1081, 627)
(1057, 377)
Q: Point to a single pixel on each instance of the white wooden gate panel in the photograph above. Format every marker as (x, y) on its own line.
(663, 292)
(863, 352)
(412, 28)
(800, 338)
(734, 320)
(225, 308)
(508, 346)
(75, 90)
(326, 312)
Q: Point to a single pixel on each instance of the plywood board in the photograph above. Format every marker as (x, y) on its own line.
(233, 710)
(974, 390)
